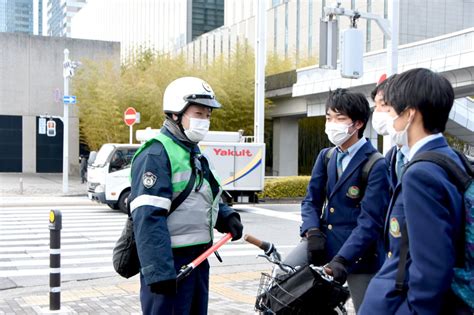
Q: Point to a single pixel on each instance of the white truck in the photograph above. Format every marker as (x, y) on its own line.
(239, 165)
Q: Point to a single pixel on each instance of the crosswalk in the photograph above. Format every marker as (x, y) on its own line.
(88, 235)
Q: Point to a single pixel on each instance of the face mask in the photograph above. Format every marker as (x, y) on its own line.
(338, 133)
(198, 129)
(379, 122)
(398, 137)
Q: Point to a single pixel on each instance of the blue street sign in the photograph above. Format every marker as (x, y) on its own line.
(69, 99)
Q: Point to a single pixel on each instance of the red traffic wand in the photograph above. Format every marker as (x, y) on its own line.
(186, 269)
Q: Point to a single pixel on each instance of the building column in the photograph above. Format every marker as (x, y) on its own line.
(29, 144)
(371, 134)
(285, 146)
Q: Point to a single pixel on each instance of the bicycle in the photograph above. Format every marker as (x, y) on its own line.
(300, 290)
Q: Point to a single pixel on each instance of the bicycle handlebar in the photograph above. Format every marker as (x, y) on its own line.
(265, 246)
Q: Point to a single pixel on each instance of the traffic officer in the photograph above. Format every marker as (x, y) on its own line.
(396, 157)
(426, 204)
(161, 170)
(342, 220)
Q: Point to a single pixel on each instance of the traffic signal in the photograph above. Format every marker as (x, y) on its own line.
(51, 128)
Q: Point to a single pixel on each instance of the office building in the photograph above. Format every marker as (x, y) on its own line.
(16, 16)
(160, 25)
(59, 15)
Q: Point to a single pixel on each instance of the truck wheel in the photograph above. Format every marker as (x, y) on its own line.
(114, 206)
(122, 203)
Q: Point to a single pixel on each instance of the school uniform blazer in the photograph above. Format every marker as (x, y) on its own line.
(433, 208)
(352, 223)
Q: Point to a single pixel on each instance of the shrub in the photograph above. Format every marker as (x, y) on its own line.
(285, 187)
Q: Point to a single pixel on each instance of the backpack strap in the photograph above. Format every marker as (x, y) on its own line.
(328, 156)
(462, 179)
(400, 278)
(373, 158)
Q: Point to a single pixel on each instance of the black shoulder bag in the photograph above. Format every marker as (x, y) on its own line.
(125, 255)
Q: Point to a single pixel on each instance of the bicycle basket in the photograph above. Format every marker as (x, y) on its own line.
(301, 292)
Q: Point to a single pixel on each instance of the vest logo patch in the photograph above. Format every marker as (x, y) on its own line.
(149, 179)
(395, 228)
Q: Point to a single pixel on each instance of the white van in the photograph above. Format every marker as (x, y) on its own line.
(239, 165)
(108, 175)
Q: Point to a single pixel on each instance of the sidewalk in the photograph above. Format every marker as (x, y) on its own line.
(229, 294)
(39, 184)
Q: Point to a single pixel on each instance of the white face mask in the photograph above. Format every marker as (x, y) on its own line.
(398, 137)
(379, 122)
(338, 133)
(198, 129)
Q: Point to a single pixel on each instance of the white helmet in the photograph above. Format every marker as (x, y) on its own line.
(188, 90)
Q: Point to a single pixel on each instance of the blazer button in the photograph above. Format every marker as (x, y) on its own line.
(332, 210)
(329, 227)
(389, 254)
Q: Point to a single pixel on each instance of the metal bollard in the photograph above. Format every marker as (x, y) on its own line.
(55, 226)
(21, 186)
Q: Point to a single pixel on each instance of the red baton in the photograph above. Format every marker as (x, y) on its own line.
(186, 269)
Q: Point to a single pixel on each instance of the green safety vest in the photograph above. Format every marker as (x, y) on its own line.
(192, 223)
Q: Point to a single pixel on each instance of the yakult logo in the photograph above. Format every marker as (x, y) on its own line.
(230, 152)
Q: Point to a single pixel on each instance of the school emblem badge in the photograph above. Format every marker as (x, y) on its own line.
(353, 192)
(395, 228)
(149, 179)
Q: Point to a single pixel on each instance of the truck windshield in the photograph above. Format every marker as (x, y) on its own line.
(103, 155)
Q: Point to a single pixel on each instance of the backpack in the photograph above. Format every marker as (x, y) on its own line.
(462, 284)
(373, 158)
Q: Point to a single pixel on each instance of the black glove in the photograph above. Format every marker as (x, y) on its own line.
(316, 247)
(234, 226)
(167, 287)
(337, 268)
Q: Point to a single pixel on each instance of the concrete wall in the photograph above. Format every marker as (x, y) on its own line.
(30, 70)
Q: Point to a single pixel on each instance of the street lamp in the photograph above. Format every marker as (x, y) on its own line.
(68, 72)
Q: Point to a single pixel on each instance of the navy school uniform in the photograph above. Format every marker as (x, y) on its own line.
(432, 206)
(353, 225)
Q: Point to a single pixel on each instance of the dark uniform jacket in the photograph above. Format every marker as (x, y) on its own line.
(352, 223)
(432, 206)
(150, 226)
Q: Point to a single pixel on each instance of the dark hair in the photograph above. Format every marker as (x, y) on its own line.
(353, 105)
(426, 91)
(379, 87)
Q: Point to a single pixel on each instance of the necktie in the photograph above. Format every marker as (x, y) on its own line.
(340, 156)
(399, 164)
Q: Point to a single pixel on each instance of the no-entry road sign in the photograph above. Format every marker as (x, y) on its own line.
(130, 116)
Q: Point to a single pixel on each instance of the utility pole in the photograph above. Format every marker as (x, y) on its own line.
(66, 75)
(68, 72)
(260, 60)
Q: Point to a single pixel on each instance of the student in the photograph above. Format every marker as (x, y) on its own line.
(425, 204)
(347, 231)
(396, 157)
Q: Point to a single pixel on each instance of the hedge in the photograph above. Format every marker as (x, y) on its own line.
(284, 187)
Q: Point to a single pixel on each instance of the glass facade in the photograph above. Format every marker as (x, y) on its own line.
(16, 16)
(206, 16)
(60, 13)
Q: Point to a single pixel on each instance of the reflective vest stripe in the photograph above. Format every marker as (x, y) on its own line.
(149, 200)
